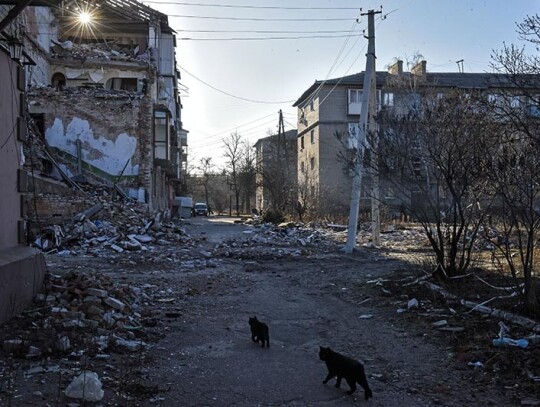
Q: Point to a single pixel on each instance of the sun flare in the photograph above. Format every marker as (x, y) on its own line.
(85, 17)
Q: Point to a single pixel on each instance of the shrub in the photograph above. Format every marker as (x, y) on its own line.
(275, 217)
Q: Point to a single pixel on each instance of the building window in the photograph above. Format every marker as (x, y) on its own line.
(129, 84)
(533, 106)
(58, 81)
(161, 135)
(355, 101)
(388, 99)
(312, 136)
(302, 167)
(390, 193)
(312, 163)
(515, 102)
(302, 143)
(312, 105)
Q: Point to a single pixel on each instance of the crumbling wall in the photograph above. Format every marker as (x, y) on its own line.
(112, 128)
(46, 209)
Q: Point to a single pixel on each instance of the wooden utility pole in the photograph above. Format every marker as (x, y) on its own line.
(366, 124)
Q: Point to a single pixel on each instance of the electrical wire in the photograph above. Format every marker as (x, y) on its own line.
(237, 127)
(256, 19)
(266, 38)
(230, 94)
(180, 3)
(267, 31)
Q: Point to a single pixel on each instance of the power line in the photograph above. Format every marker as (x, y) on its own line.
(230, 94)
(267, 31)
(180, 3)
(258, 19)
(267, 38)
(237, 127)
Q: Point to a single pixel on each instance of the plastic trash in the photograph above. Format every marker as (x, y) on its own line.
(521, 343)
(476, 365)
(86, 386)
(504, 330)
(413, 304)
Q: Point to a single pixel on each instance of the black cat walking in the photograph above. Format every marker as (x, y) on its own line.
(342, 367)
(259, 332)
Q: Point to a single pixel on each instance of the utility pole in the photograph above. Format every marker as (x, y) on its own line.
(366, 124)
(460, 65)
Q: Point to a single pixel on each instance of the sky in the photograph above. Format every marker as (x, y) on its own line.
(234, 83)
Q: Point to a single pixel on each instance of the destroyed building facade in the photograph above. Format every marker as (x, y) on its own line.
(80, 98)
(107, 100)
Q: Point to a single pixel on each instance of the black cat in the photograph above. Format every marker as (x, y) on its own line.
(343, 367)
(259, 331)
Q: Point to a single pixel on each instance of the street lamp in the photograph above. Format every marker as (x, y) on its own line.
(15, 49)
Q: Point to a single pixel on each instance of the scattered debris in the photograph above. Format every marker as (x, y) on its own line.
(86, 386)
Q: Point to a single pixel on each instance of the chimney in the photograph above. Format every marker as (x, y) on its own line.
(419, 69)
(396, 68)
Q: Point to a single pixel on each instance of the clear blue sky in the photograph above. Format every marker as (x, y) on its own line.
(443, 31)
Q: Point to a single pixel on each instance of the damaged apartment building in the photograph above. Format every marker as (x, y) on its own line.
(107, 100)
(88, 92)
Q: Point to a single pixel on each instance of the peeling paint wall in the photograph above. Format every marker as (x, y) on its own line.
(109, 155)
(113, 130)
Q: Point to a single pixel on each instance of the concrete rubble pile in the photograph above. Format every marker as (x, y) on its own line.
(81, 321)
(80, 311)
(112, 51)
(286, 239)
(111, 227)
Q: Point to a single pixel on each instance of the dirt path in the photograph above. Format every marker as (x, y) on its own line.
(196, 298)
(208, 359)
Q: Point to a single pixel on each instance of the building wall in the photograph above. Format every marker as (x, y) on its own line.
(329, 116)
(39, 29)
(22, 268)
(10, 152)
(114, 130)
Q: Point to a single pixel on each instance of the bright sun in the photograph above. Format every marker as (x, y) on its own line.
(85, 17)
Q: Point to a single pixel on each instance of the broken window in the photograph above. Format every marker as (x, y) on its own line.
(129, 84)
(58, 81)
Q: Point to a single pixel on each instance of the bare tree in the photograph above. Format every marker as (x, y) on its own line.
(277, 175)
(439, 152)
(247, 175)
(233, 155)
(205, 168)
(517, 178)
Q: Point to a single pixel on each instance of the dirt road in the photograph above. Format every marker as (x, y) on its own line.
(207, 358)
(195, 298)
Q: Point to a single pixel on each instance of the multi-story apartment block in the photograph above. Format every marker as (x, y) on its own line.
(276, 179)
(96, 85)
(329, 112)
(107, 96)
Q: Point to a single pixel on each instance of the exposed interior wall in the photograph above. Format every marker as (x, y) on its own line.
(111, 129)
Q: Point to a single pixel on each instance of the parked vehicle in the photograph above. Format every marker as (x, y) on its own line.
(200, 209)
